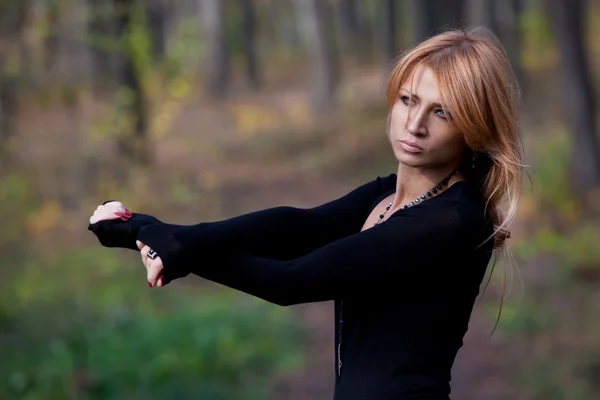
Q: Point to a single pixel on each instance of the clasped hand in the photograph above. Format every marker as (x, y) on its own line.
(115, 210)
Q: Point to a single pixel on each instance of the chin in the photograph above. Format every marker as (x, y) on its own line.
(410, 160)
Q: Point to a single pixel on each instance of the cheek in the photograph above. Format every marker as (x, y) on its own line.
(398, 119)
(450, 142)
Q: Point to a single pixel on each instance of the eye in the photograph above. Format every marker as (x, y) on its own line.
(441, 113)
(405, 99)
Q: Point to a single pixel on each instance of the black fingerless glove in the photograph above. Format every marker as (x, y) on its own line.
(178, 246)
(119, 233)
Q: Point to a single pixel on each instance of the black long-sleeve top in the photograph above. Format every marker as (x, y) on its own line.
(408, 285)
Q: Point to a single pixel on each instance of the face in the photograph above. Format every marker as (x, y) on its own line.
(421, 134)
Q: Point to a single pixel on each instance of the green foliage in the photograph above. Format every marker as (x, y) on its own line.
(527, 316)
(185, 48)
(557, 311)
(571, 241)
(542, 383)
(16, 192)
(534, 25)
(538, 50)
(553, 379)
(572, 250)
(550, 171)
(138, 45)
(85, 325)
(163, 81)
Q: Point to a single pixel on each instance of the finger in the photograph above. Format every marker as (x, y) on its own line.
(155, 270)
(115, 206)
(119, 208)
(111, 211)
(105, 214)
(160, 282)
(144, 253)
(114, 203)
(126, 213)
(139, 244)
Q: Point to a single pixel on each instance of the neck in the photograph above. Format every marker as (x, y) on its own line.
(413, 182)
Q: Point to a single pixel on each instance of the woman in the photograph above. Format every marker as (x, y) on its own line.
(402, 256)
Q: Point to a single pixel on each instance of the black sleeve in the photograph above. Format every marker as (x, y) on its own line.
(393, 255)
(280, 232)
(290, 232)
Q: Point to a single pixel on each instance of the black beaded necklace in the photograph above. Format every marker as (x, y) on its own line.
(422, 197)
(431, 193)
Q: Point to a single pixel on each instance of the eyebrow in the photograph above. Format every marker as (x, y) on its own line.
(418, 98)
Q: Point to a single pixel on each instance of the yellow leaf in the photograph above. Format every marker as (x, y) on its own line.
(250, 119)
(44, 219)
(179, 88)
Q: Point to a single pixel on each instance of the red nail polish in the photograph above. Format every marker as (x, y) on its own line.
(149, 284)
(118, 214)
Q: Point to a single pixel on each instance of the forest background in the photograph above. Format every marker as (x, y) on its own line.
(197, 110)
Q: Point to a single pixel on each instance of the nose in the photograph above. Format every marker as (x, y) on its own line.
(416, 124)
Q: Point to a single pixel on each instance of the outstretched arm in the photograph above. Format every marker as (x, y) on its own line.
(394, 255)
(290, 232)
(279, 233)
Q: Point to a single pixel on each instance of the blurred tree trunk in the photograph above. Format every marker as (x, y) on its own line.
(75, 72)
(433, 16)
(482, 13)
(509, 32)
(8, 108)
(349, 18)
(133, 143)
(157, 15)
(102, 28)
(216, 64)
(249, 42)
(285, 31)
(51, 37)
(312, 17)
(355, 29)
(388, 30)
(567, 22)
(13, 18)
(73, 59)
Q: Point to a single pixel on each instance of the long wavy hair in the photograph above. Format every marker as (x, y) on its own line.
(479, 92)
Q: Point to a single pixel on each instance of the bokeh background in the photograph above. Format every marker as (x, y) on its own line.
(197, 110)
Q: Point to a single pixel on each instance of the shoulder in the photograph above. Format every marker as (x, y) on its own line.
(380, 184)
(466, 211)
(373, 191)
(457, 210)
(380, 187)
(387, 182)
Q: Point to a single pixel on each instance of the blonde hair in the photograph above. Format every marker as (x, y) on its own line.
(480, 94)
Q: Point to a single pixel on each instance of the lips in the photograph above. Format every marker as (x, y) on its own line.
(410, 147)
